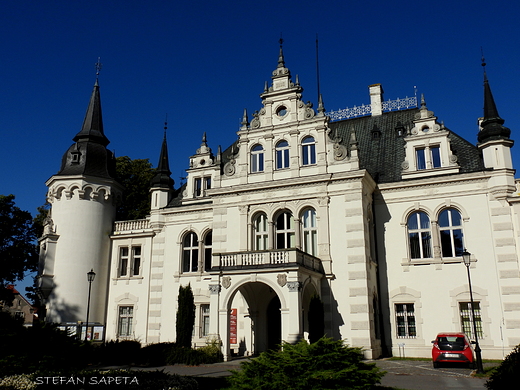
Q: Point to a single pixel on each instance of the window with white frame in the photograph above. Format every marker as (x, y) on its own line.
(204, 320)
(282, 155)
(190, 253)
(428, 157)
(201, 185)
(125, 321)
(260, 232)
(129, 261)
(308, 151)
(466, 319)
(257, 158)
(285, 230)
(419, 235)
(208, 238)
(310, 232)
(450, 228)
(405, 320)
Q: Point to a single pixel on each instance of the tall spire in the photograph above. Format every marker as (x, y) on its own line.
(92, 129)
(492, 123)
(162, 178)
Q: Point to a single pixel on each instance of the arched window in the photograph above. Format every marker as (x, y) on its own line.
(310, 232)
(419, 235)
(190, 253)
(260, 232)
(207, 250)
(282, 155)
(284, 231)
(257, 158)
(450, 227)
(308, 151)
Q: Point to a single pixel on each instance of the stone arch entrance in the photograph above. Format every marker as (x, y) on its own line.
(258, 318)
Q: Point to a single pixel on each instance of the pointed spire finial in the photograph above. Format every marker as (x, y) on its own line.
(483, 63)
(281, 62)
(245, 120)
(98, 65)
(165, 125)
(321, 107)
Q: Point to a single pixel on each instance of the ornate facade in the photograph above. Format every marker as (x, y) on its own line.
(372, 214)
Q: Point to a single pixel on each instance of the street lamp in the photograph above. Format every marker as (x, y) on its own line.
(466, 256)
(90, 277)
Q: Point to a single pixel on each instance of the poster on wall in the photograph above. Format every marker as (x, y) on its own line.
(233, 326)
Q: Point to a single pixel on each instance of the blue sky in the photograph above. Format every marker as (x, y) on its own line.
(203, 62)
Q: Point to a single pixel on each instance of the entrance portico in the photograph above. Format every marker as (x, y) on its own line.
(269, 299)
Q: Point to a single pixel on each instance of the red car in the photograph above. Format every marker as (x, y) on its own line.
(452, 347)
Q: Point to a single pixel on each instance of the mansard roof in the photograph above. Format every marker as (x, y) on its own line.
(382, 154)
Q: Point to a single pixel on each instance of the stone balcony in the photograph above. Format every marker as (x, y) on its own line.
(279, 258)
(133, 226)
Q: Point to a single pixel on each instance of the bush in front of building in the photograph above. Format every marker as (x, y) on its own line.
(116, 352)
(325, 364)
(505, 375)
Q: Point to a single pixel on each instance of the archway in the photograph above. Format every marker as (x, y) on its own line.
(256, 306)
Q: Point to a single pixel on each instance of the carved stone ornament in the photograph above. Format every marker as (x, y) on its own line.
(229, 168)
(226, 282)
(453, 158)
(294, 286)
(340, 152)
(281, 279)
(405, 165)
(214, 288)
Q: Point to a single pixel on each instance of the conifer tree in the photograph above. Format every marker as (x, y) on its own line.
(185, 316)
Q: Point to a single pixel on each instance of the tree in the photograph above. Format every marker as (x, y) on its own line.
(135, 176)
(18, 251)
(325, 364)
(316, 320)
(185, 316)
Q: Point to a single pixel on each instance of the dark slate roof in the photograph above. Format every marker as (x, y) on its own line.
(89, 155)
(382, 154)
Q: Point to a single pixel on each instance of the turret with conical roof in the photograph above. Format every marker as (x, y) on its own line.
(83, 196)
(161, 185)
(493, 137)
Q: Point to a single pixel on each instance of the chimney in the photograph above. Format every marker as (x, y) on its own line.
(376, 99)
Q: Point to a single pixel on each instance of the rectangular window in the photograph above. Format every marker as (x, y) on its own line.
(466, 319)
(436, 156)
(204, 320)
(136, 260)
(201, 185)
(125, 322)
(123, 261)
(420, 158)
(405, 320)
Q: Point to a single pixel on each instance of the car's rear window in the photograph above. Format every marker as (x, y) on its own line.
(451, 343)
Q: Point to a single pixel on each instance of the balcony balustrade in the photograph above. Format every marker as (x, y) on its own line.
(268, 259)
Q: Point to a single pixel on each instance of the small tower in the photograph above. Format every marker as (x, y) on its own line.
(161, 186)
(493, 137)
(77, 232)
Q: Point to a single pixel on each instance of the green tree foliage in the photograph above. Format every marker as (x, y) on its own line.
(135, 177)
(185, 316)
(506, 375)
(326, 364)
(18, 251)
(316, 319)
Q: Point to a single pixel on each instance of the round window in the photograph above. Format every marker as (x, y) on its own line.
(281, 111)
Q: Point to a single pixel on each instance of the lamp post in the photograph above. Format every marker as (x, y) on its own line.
(466, 256)
(90, 277)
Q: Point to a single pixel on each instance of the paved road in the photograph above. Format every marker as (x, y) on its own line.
(418, 375)
(404, 374)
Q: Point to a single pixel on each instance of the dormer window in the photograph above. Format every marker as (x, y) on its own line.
(201, 185)
(428, 157)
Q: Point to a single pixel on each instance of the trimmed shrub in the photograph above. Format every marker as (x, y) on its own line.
(154, 355)
(185, 316)
(208, 354)
(116, 352)
(326, 364)
(506, 374)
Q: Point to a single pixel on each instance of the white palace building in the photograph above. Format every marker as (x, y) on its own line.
(372, 213)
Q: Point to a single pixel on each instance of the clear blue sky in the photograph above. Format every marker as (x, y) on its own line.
(203, 62)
